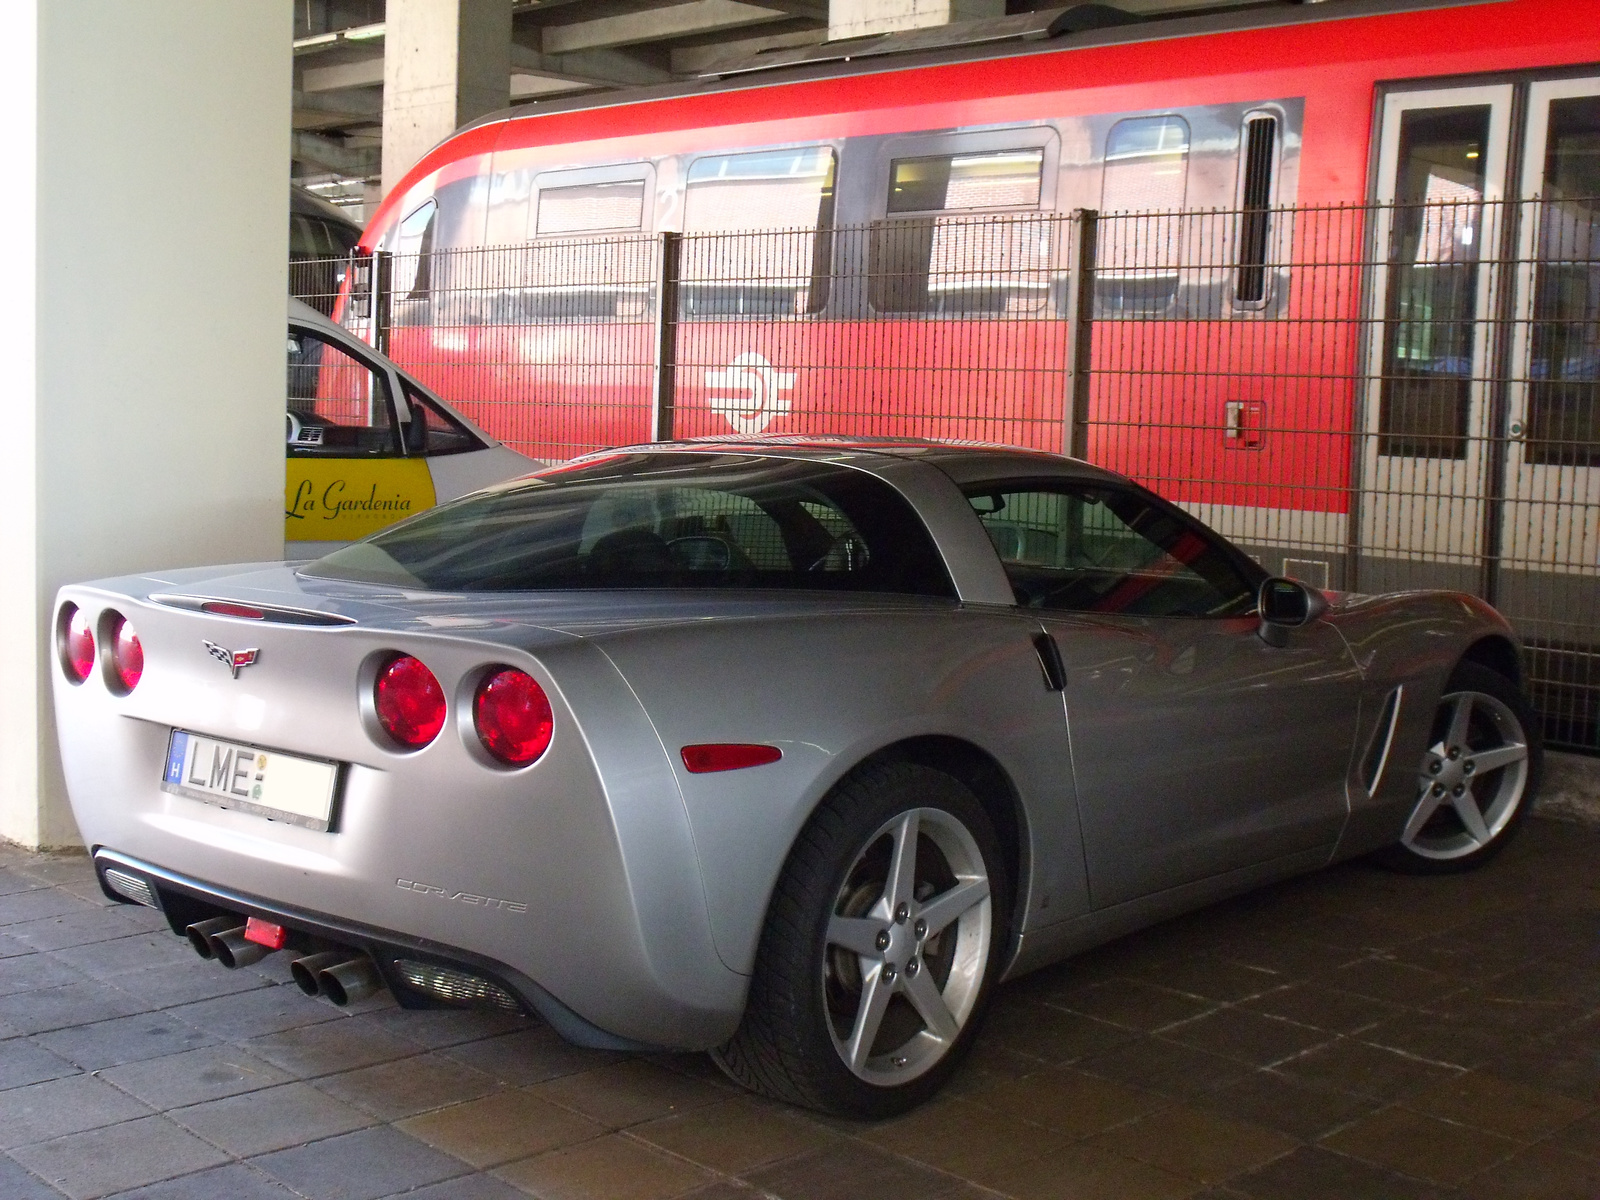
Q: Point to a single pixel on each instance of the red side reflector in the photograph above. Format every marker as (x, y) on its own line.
(728, 756)
(223, 608)
(265, 933)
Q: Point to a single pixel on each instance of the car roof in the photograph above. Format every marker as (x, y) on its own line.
(303, 314)
(963, 461)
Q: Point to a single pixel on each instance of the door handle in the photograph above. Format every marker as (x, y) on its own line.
(1055, 672)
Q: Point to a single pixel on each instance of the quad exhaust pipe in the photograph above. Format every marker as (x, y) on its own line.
(341, 979)
(335, 974)
(222, 938)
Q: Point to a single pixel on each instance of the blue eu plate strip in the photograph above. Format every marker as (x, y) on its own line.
(176, 753)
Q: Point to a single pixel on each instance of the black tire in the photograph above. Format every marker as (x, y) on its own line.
(1498, 719)
(788, 1044)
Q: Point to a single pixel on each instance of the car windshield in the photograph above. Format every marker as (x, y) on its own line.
(654, 520)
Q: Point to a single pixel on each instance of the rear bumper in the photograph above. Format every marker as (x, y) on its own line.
(184, 900)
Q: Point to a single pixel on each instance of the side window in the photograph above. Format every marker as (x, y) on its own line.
(990, 254)
(413, 253)
(431, 431)
(1089, 548)
(338, 407)
(1146, 173)
(590, 208)
(779, 273)
(587, 260)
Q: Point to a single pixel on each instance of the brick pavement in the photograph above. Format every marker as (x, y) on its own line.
(1351, 1034)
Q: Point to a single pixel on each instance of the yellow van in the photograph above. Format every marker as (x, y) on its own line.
(367, 444)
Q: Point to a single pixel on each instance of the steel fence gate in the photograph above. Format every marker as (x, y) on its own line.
(1366, 397)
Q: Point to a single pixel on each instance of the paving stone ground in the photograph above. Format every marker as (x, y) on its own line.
(1352, 1035)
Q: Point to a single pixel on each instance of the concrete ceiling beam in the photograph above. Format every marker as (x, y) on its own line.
(330, 155)
(695, 60)
(592, 68)
(655, 24)
(363, 72)
(323, 110)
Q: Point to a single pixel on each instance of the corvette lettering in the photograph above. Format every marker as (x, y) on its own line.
(232, 659)
(430, 889)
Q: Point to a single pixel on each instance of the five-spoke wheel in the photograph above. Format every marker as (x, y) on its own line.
(879, 949)
(1477, 776)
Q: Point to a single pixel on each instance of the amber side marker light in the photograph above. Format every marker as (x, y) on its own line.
(728, 756)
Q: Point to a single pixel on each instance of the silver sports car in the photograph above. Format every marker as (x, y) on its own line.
(785, 751)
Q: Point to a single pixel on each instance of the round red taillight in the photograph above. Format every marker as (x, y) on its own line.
(77, 644)
(409, 701)
(513, 716)
(127, 655)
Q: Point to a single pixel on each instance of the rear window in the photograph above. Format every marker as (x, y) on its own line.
(661, 521)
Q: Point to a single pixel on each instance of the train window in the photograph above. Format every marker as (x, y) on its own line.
(413, 252)
(591, 207)
(1147, 165)
(1004, 179)
(1260, 142)
(1140, 238)
(1563, 399)
(586, 260)
(788, 192)
(1429, 319)
(974, 260)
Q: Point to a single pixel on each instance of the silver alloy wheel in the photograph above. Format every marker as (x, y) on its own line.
(908, 944)
(1472, 779)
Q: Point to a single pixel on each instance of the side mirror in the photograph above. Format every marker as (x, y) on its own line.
(1285, 604)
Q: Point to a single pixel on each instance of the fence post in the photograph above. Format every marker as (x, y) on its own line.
(382, 308)
(1080, 329)
(666, 366)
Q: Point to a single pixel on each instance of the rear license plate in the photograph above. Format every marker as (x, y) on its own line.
(268, 783)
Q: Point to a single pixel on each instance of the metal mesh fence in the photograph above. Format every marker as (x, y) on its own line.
(1366, 397)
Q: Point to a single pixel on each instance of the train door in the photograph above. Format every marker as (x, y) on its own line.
(1549, 552)
(1441, 166)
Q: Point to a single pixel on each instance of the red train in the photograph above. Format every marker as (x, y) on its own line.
(923, 191)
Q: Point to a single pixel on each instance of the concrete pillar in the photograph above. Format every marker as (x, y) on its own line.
(445, 62)
(860, 18)
(143, 316)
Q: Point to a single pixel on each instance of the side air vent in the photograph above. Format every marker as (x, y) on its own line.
(1260, 138)
(272, 614)
(1376, 758)
(131, 887)
(456, 987)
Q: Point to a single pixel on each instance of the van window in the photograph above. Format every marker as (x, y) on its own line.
(788, 193)
(338, 406)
